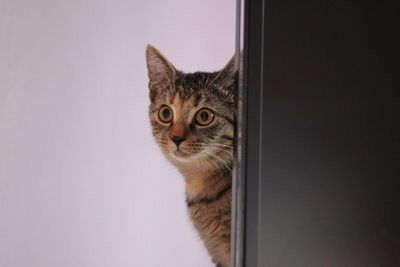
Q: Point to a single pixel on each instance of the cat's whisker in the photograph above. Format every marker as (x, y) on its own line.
(211, 152)
(222, 145)
(224, 161)
(213, 162)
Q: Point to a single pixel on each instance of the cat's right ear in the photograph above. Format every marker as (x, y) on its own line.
(160, 70)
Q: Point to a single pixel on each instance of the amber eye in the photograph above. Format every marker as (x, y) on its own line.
(204, 117)
(165, 114)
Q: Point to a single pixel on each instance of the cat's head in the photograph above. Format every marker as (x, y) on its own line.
(192, 114)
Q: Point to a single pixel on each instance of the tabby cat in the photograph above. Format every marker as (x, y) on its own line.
(192, 117)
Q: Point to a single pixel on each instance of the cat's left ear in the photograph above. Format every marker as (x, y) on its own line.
(227, 75)
(229, 68)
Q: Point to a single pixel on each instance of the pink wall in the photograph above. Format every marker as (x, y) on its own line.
(82, 184)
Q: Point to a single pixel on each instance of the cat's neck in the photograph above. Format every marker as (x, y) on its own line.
(204, 183)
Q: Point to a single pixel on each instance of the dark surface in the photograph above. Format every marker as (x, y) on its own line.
(329, 191)
(252, 89)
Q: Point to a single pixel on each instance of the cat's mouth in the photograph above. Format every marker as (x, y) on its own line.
(179, 154)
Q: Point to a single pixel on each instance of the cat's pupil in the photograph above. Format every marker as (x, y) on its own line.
(204, 116)
(166, 113)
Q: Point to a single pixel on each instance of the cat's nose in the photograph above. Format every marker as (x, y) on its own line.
(177, 139)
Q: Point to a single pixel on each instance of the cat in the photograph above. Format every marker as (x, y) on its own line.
(193, 120)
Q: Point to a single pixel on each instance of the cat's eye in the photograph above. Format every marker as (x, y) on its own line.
(204, 117)
(165, 114)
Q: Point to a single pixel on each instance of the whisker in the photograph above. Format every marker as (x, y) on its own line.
(212, 153)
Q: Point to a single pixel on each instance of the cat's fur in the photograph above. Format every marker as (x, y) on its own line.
(205, 154)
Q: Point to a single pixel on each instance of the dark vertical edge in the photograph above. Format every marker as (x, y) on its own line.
(246, 174)
(252, 88)
(238, 174)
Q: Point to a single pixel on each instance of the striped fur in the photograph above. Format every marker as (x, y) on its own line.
(204, 157)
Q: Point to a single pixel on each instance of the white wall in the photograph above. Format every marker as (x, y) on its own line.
(82, 183)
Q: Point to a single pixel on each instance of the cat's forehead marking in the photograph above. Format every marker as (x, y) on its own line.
(183, 107)
(178, 104)
(174, 99)
(197, 100)
(179, 99)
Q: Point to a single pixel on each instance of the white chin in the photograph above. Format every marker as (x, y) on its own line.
(180, 156)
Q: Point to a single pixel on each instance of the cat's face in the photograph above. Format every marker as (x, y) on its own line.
(192, 115)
